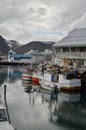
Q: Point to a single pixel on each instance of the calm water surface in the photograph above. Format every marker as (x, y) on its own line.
(35, 111)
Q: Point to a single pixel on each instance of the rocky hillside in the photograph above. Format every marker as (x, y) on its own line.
(35, 45)
(6, 45)
(4, 48)
(13, 44)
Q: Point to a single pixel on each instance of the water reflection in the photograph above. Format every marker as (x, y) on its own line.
(70, 111)
(10, 74)
(52, 105)
(28, 89)
(40, 110)
(14, 73)
(3, 74)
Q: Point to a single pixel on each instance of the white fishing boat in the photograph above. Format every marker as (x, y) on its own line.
(70, 84)
(65, 82)
(47, 85)
(44, 85)
(4, 123)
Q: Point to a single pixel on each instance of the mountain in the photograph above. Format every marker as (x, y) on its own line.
(7, 45)
(4, 48)
(35, 45)
(13, 44)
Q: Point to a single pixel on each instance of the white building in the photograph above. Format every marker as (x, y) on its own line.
(72, 47)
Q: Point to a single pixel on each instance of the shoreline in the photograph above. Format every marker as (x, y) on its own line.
(15, 63)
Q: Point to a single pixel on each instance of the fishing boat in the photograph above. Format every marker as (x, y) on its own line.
(69, 84)
(35, 79)
(4, 123)
(47, 85)
(26, 77)
(30, 70)
(65, 81)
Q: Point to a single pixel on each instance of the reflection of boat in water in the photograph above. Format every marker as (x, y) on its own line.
(70, 113)
(30, 76)
(28, 86)
(28, 89)
(46, 96)
(68, 97)
(45, 90)
(35, 87)
(26, 83)
(4, 123)
(51, 100)
(70, 110)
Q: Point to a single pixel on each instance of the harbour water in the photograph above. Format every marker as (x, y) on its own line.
(36, 110)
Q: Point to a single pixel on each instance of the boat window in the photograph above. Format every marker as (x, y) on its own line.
(3, 115)
(72, 74)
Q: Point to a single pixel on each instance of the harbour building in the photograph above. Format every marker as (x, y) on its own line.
(72, 49)
(22, 58)
(31, 57)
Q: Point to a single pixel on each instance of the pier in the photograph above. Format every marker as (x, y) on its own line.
(16, 63)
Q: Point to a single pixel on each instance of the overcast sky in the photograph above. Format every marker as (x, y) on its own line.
(46, 20)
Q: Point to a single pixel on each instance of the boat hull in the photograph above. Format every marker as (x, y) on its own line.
(35, 81)
(46, 85)
(69, 84)
(26, 77)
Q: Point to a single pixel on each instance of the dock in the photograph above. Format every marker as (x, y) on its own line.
(16, 63)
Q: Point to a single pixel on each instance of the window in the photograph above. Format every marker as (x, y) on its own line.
(65, 49)
(81, 62)
(82, 49)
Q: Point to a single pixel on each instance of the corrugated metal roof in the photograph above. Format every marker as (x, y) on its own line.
(76, 37)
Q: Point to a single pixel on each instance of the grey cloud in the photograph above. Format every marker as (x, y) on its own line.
(42, 11)
(19, 19)
(71, 15)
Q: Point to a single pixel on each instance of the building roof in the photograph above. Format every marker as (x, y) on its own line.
(76, 37)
